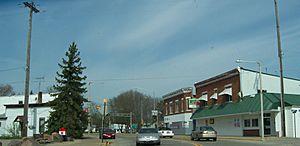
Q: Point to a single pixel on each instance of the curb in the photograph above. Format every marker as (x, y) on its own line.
(226, 138)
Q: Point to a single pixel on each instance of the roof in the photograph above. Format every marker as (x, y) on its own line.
(248, 104)
(177, 92)
(30, 105)
(227, 74)
(231, 73)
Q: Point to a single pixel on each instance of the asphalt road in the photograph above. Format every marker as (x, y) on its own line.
(129, 140)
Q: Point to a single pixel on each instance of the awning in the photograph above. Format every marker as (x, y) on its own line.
(248, 105)
(214, 96)
(203, 97)
(227, 91)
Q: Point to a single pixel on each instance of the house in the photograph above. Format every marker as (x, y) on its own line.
(230, 102)
(177, 112)
(11, 112)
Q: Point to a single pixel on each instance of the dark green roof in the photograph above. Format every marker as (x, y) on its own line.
(248, 104)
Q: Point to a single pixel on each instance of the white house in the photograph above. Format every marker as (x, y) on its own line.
(11, 111)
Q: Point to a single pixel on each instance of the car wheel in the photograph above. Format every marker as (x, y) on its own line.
(171, 136)
(215, 139)
(158, 143)
(137, 144)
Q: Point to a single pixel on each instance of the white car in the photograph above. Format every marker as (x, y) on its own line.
(166, 132)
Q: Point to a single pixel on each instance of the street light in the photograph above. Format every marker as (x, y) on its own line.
(261, 96)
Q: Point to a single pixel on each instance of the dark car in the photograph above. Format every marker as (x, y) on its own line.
(204, 132)
(107, 133)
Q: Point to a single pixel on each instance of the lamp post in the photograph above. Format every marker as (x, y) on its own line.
(261, 96)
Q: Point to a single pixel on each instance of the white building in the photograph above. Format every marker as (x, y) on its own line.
(230, 103)
(11, 111)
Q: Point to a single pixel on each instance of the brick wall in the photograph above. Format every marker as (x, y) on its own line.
(219, 86)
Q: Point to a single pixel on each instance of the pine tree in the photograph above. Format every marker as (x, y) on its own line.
(67, 111)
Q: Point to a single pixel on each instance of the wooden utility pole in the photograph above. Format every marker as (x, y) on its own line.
(32, 9)
(282, 107)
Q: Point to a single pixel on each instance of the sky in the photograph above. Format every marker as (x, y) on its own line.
(152, 46)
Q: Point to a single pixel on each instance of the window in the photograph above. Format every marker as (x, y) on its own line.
(182, 104)
(170, 107)
(176, 106)
(166, 108)
(254, 122)
(247, 123)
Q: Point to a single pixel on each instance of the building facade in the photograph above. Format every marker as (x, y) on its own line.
(177, 112)
(11, 113)
(230, 103)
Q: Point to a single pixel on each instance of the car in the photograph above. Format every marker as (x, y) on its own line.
(204, 132)
(107, 133)
(166, 132)
(148, 136)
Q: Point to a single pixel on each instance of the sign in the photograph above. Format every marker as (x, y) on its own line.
(62, 131)
(154, 112)
(134, 126)
(193, 103)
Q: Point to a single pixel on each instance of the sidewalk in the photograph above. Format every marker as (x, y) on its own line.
(276, 140)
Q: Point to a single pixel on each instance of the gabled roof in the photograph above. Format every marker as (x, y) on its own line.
(248, 104)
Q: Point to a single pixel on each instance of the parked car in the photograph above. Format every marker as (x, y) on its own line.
(107, 133)
(204, 132)
(166, 132)
(148, 136)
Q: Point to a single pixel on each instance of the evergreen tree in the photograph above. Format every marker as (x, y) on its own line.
(67, 111)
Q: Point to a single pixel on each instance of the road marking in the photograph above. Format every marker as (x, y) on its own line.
(187, 141)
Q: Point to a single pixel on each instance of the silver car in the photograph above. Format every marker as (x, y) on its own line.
(148, 136)
(204, 132)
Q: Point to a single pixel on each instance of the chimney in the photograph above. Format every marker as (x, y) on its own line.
(40, 98)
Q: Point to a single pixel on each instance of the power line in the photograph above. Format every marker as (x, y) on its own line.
(12, 69)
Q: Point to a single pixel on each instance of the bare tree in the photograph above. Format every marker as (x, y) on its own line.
(133, 101)
(6, 90)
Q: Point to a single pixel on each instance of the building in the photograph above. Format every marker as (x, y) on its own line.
(177, 112)
(230, 102)
(11, 112)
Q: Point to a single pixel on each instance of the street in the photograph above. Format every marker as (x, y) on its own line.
(129, 140)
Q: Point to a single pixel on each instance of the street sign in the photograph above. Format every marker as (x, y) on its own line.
(134, 126)
(154, 112)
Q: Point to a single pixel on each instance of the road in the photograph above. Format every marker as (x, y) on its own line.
(129, 140)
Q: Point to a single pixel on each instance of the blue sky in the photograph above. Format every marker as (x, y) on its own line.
(153, 46)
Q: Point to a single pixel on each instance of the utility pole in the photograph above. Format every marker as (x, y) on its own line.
(130, 122)
(32, 9)
(103, 119)
(282, 107)
(89, 108)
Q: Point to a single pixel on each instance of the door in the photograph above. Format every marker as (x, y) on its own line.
(267, 125)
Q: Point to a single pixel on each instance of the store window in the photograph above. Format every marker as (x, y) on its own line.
(254, 122)
(247, 123)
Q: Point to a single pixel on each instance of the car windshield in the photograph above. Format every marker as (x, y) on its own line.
(148, 130)
(207, 129)
(108, 130)
(164, 128)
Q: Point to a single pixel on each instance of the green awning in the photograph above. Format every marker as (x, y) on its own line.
(248, 104)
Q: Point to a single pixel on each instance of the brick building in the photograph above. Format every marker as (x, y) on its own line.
(177, 112)
(230, 103)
